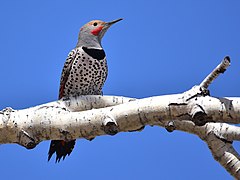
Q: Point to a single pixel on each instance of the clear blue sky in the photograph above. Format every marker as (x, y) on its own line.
(161, 47)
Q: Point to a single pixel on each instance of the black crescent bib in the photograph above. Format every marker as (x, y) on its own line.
(98, 54)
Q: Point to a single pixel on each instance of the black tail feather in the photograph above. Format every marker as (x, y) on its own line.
(62, 149)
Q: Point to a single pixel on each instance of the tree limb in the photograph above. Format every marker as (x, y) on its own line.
(221, 68)
(193, 111)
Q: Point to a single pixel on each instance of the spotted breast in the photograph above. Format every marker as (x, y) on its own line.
(84, 73)
(87, 73)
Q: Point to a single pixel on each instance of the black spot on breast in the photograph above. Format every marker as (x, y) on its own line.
(95, 53)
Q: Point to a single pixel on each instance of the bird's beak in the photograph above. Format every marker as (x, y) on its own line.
(108, 24)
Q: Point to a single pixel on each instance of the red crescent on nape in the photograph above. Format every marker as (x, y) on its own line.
(96, 31)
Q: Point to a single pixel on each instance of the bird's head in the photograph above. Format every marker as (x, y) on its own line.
(91, 34)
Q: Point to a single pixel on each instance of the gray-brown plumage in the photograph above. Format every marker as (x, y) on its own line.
(84, 73)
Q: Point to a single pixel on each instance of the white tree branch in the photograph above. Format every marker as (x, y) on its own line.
(193, 111)
(221, 68)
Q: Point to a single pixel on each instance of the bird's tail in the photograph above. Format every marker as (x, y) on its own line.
(62, 149)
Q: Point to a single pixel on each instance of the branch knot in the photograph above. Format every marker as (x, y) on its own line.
(6, 114)
(110, 126)
(26, 140)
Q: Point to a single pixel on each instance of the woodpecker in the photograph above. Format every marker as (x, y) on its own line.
(84, 73)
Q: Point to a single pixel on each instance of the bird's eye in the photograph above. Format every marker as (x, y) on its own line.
(95, 24)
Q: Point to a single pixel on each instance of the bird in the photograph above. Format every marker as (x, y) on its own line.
(84, 73)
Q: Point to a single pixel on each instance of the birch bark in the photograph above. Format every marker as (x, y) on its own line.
(193, 111)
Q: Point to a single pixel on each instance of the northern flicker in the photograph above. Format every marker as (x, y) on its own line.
(84, 73)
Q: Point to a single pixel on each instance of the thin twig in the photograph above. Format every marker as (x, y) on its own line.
(215, 73)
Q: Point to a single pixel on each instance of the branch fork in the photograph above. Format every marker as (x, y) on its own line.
(193, 111)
